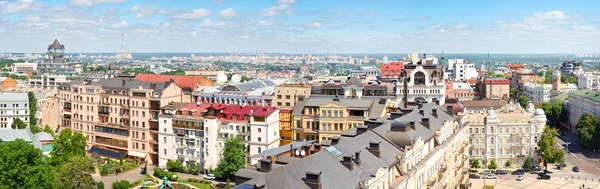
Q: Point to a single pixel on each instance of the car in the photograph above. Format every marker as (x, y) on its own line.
(537, 171)
(561, 165)
(575, 169)
(543, 176)
(474, 176)
(487, 172)
(520, 177)
(209, 177)
(500, 172)
(547, 172)
(518, 172)
(490, 176)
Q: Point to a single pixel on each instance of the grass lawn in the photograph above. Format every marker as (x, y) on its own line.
(198, 184)
(110, 167)
(488, 187)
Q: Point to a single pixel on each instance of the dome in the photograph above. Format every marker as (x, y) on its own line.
(492, 113)
(539, 112)
(530, 106)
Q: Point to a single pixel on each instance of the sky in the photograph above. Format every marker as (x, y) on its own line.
(301, 26)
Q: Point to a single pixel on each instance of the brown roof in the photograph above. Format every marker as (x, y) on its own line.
(191, 82)
(56, 45)
(484, 103)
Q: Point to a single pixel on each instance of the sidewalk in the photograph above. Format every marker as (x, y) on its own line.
(131, 176)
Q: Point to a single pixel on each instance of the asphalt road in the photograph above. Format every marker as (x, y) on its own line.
(587, 160)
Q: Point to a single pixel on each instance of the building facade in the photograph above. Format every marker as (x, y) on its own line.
(460, 70)
(588, 80)
(391, 71)
(423, 82)
(537, 93)
(571, 67)
(580, 102)
(496, 88)
(286, 95)
(13, 106)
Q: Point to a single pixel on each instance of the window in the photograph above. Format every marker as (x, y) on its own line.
(288, 104)
(165, 151)
(492, 140)
(287, 97)
(259, 139)
(259, 130)
(164, 140)
(259, 150)
(278, 103)
(143, 146)
(278, 96)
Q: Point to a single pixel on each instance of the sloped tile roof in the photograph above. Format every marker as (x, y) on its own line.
(190, 82)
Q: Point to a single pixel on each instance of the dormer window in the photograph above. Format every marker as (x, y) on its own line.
(234, 116)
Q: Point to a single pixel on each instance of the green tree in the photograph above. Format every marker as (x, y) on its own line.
(32, 108)
(513, 92)
(228, 184)
(541, 73)
(176, 72)
(528, 164)
(75, 173)
(47, 129)
(523, 101)
(234, 158)
(493, 165)
(553, 111)
(100, 185)
(572, 79)
(123, 184)
(18, 124)
(563, 78)
(66, 145)
(23, 166)
(507, 164)
(35, 129)
(175, 166)
(546, 147)
(587, 129)
(475, 164)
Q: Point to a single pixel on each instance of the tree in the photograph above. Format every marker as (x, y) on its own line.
(587, 129)
(23, 166)
(507, 164)
(75, 173)
(572, 79)
(175, 166)
(100, 185)
(123, 184)
(493, 165)
(18, 124)
(563, 78)
(528, 164)
(547, 149)
(35, 129)
(475, 164)
(67, 145)
(523, 101)
(234, 158)
(228, 184)
(553, 111)
(47, 129)
(540, 73)
(513, 92)
(32, 108)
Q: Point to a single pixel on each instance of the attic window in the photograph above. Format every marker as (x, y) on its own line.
(190, 112)
(234, 116)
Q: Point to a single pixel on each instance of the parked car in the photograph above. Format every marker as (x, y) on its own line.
(518, 172)
(561, 165)
(490, 176)
(575, 169)
(474, 176)
(537, 171)
(500, 172)
(520, 177)
(547, 172)
(209, 177)
(543, 176)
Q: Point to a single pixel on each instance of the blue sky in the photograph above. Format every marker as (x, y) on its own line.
(302, 26)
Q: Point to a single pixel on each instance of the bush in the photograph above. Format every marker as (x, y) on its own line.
(100, 185)
(104, 171)
(135, 183)
(123, 184)
(175, 166)
(161, 173)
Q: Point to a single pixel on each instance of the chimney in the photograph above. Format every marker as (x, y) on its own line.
(313, 180)
(395, 115)
(152, 85)
(347, 162)
(399, 126)
(450, 110)
(425, 122)
(412, 124)
(361, 129)
(317, 148)
(357, 158)
(405, 111)
(434, 112)
(335, 140)
(422, 112)
(374, 148)
(265, 165)
(123, 83)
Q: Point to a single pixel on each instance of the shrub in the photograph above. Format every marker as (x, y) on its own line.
(104, 171)
(175, 166)
(135, 183)
(161, 173)
(123, 184)
(100, 185)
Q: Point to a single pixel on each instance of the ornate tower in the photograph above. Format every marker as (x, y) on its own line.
(556, 80)
(55, 50)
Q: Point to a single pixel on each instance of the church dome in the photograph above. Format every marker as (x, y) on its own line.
(539, 112)
(530, 107)
(492, 113)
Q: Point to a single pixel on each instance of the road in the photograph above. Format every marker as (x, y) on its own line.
(587, 160)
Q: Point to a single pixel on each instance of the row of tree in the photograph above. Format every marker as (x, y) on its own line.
(588, 128)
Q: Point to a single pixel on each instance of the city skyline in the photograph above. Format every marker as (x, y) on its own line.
(300, 26)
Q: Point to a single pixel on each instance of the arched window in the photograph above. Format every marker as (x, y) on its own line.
(492, 140)
(419, 78)
(491, 129)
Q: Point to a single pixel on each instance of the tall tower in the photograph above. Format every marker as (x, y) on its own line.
(556, 80)
(55, 50)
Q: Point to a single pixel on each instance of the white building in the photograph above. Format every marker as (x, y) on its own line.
(424, 81)
(508, 133)
(365, 71)
(589, 80)
(571, 67)
(537, 93)
(580, 102)
(24, 67)
(13, 105)
(460, 70)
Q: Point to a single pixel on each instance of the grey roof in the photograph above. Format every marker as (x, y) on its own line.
(282, 149)
(43, 136)
(131, 83)
(252, 85)
(14, 97)
(9, 134)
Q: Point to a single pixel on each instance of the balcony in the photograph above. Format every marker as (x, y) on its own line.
(124, 115)
(103, 112)
(432, 183)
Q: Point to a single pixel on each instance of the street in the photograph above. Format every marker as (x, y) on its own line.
(587, 160)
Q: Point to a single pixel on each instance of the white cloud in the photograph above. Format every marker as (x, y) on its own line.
(314, 25)
(217, 2)
(31, 19)
(370, 13)
(20, 6)
(286, 1)
(277, 10)
(549, 17)
(195, 14)
(119, 25)
(265, 23)
(227, 13)
(89, 3)
(142, 12)
(582, 28)
(210, 23)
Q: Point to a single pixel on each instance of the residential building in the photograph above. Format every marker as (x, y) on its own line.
(571, 67)
(196, 133)
(589, 80)
(51, 113)
(23, 67)
(423, 81)
(496, 88)
(56, 62)
(209, 74)
(580, 102)
(391, 71)
(461, 91)
(519, 78)
(537, 93)
(48, 80)
(118, 116)
(251, 93)
(353, 88)
(421, 148)
(286, 95)
(13, 105)
(8, 83)
(364, 72)
(514, 66)
(323, 118)
(188, 84)
(460, 70)
(504, 132)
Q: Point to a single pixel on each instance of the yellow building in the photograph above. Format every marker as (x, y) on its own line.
(324, 117)
(286, 96)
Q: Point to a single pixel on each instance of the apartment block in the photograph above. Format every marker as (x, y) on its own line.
(286, 96)
(13, 105)
(118, 116)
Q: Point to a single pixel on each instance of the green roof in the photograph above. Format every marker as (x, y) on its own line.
(588, 94)
(47, 148)
(562, 97)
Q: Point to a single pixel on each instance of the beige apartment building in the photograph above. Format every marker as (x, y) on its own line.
(286, 95)
(51, 110)
(118, 116)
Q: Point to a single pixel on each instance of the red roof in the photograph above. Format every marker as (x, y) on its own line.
(228, 110)
(392, 69)
(497, 81)
(181, 81)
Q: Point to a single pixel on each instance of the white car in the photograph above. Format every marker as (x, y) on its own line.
(209, 177)
(520, 177)
(490, 176)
